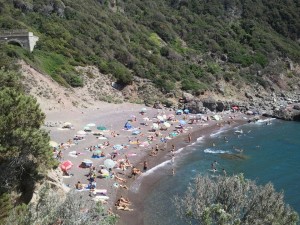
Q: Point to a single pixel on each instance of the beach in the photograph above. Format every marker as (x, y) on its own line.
(134, 146)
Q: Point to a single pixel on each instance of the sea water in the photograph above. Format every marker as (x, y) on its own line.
(265, 153)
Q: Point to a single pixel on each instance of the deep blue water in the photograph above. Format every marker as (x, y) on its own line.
(272, 154)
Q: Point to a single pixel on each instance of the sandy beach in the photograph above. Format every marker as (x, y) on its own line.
(133, 144)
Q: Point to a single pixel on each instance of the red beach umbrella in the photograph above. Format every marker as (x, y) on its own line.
(66, 165)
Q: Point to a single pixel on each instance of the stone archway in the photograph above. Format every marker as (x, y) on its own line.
(15, 42)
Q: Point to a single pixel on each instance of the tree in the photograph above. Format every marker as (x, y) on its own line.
(233, 200)
(24, 148)
(51, 209)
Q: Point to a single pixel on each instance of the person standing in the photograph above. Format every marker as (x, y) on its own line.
(189, 137)
(145, 165)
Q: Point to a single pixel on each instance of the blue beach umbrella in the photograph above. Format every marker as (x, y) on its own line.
(179, 112)
(186, 111)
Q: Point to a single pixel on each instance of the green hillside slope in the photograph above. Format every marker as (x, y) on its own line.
(187, 44)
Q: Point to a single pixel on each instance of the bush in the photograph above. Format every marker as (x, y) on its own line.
(233, 200)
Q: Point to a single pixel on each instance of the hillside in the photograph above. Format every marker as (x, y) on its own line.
(219, 47)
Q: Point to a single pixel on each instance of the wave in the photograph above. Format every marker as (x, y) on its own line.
(137, 183)
(212, 151)
(222, 130)
(200, 139)
(264, 120)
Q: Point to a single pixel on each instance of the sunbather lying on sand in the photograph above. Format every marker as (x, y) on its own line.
(135, 171)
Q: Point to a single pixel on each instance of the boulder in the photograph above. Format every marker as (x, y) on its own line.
(296, 107)
(195, 106)
(221, 106)
(187, 97)
(286, 114)
(210, 103)
(158, 105)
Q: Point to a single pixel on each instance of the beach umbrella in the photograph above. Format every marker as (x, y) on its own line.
(87, 161)
(81, 132)
(143, 110)
(160, 118)
(235, 107)
(67, 124)
(136, 132)
(66, 165)
(98, 152)
(146, 119)
(53, 144)
(179, 112)
(118, 147)
(102, 138)
(87, 128)
(100, 127)
(108, 163)
(217, 117)
(91, 125)
(182, 122)
(166, 124)
(186, 111)
(104, 172)
(155, 126)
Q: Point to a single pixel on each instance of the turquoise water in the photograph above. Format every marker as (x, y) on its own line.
(270, 153)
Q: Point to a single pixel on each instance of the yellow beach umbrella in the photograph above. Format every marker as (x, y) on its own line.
(53, 144)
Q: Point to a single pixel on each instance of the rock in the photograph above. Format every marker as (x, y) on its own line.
(287, 114)
(248, 96)
(224, 57)
(157, 105)
(210, 103)
(220, 106)
(221, 88)
(195, 106)
(296, 107)
(187, 97)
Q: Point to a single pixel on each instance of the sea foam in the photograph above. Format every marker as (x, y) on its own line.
(212, 151)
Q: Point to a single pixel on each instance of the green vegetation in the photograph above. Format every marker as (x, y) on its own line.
(52, 209)
(233, 200)
(25, 154)
(164, 41)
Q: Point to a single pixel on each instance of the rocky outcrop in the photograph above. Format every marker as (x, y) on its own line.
(53, 181)
(287, 114)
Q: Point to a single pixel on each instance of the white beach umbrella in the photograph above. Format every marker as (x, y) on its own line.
(67, 124)
(108, 163)
(155, 126)
(166, 124)
(146, 119)
(91, 125)
(81, 132)
(160, 118)
(53, 144)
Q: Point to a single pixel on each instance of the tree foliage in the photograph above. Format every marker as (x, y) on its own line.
(153, 38)
(24, 147)
(233, 200)
(51, 209)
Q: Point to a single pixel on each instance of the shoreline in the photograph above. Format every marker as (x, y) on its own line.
(146, 185)
(114, 117)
